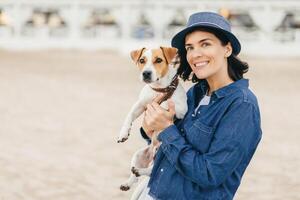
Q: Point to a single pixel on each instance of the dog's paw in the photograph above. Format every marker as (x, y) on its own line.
(124, 187)
(135, 171)
(124, 134)
(123, 139)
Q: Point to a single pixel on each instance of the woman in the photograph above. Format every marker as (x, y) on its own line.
(204, 155)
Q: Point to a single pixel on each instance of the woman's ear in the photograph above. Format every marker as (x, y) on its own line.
(228, 50)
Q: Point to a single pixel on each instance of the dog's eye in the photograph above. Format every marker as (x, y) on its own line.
(142, 60)
(158, 60)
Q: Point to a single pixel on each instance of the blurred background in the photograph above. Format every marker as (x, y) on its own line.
(67, 83)
(273, 26)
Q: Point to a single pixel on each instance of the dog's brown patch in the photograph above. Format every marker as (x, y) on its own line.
(169, 53)
(138, 58)
(159, 61)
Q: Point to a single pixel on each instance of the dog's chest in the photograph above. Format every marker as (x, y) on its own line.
(147, 94)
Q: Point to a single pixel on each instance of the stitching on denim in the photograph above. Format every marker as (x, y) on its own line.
(203, 128)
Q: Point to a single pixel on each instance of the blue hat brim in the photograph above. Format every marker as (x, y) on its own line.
(178, 41)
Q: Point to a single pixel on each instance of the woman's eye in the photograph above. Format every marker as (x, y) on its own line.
(142, 60)
(188, 48)
(158, 60)
(205, 44)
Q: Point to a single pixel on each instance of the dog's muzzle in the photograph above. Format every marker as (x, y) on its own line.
(147, 76)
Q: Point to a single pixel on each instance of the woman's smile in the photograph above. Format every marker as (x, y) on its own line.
(201, 64)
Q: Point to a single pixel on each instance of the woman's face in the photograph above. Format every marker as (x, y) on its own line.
(206, 55)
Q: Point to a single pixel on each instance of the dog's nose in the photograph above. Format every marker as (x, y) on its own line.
(147, 75)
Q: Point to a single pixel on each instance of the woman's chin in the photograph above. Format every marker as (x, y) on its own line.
(201, 75)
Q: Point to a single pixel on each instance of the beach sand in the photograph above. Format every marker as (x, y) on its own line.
(61, 111)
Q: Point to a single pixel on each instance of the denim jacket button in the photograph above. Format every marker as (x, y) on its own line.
(193, 115)
(161, 170)
(182, 132)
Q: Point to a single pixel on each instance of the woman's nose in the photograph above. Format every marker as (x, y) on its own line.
(196, 53)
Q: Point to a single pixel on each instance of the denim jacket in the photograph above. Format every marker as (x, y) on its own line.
(204, 155)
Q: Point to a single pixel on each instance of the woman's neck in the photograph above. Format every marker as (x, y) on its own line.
(215, 84)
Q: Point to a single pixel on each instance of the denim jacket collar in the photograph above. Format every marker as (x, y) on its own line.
(226, 90)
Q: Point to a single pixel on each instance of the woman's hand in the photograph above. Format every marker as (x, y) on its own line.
(149, 132)
(157, 117)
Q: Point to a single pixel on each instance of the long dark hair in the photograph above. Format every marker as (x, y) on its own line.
(236, 67)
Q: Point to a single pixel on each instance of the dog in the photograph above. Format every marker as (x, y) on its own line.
(158, 68)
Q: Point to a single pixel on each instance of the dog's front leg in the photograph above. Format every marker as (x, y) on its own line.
(136, 110)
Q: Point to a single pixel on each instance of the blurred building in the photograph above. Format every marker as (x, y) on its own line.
(265, 27)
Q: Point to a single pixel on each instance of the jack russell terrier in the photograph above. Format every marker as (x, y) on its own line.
(158, 68)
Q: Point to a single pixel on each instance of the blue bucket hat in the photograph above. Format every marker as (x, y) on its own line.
(209, 20)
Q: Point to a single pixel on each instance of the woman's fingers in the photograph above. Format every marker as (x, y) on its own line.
(157, 108)
(153, 115)
(150, 114)
(171, 106)
(157, 117)
(160, 110)
(157, 98)
(150, 110)
(147, 128)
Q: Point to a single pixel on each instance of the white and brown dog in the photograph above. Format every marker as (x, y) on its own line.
(158, 68)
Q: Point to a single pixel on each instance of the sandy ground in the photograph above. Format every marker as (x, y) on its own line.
(60, 113)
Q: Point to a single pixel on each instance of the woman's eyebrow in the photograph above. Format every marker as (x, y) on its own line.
(198, 41)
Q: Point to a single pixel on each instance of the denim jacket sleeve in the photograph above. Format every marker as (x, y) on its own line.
(236, 138)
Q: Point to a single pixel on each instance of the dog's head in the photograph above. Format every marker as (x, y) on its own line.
(154, 63)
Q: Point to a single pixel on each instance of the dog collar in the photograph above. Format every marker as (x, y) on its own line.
(168, 90)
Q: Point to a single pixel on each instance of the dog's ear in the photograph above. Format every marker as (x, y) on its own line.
(169, 53)
(136, 54)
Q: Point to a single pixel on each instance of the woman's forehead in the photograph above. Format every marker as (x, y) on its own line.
(199, 35)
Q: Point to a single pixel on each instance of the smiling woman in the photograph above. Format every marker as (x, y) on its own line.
(207, 51)
(205, 154)
(206, 56)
